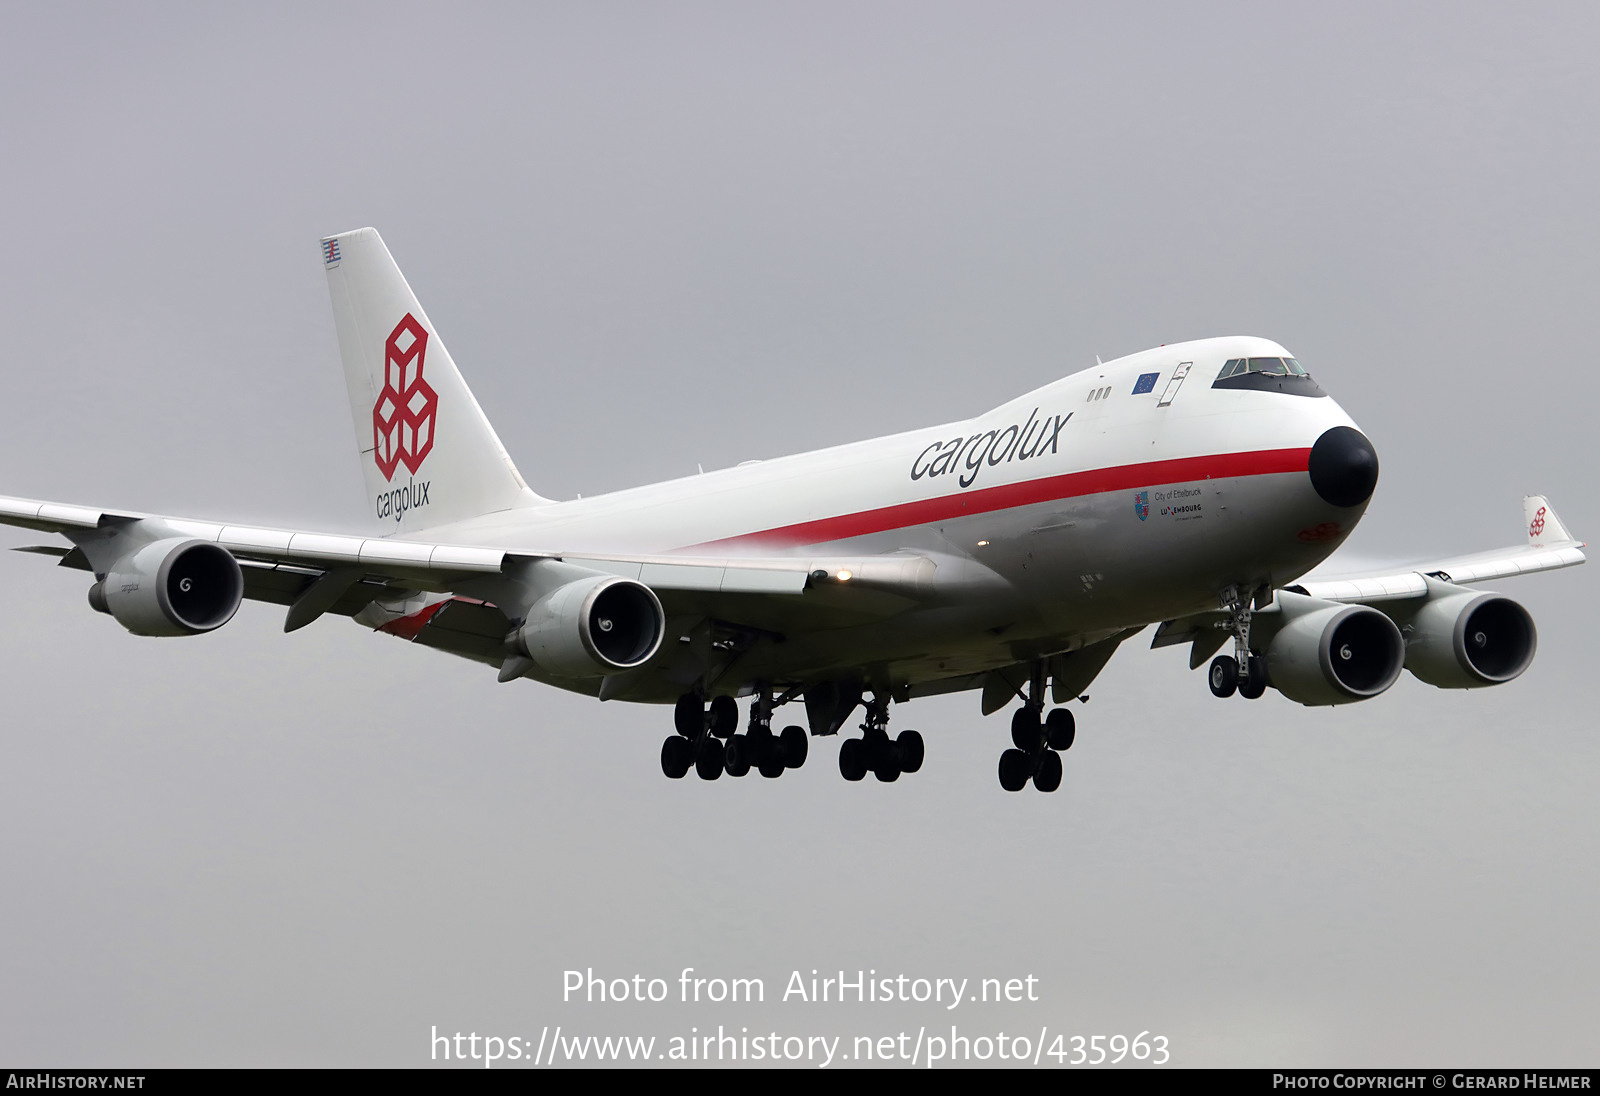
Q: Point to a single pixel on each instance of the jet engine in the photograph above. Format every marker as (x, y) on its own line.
(593, 626)
(1328, 653)
(173, 587)
(1465, 639)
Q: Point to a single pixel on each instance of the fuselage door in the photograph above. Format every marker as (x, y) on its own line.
(1175, 383)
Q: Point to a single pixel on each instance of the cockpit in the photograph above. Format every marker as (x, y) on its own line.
(1267, 375)
(1272, 367)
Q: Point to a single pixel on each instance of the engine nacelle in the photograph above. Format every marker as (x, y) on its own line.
(594, 626)
(1327, 653)
(173, 587)
(1466, 639)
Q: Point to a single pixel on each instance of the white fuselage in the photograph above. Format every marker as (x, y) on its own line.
(1088, 507)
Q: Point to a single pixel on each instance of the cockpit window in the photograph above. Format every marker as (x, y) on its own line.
(1272, 367)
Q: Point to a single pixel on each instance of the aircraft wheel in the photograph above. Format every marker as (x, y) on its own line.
(1255, 682)
(710, 760)
(1025, 732)
(1223, 675)
(771, 769)
(887, 772)
(676, 757)
(736, 755)
(1048, 778)
(724, 716)
(909, 745)
(689, 717)
(793, 746)
(1013, 770)
(1060, 728)
(852, 759)
(760, 746)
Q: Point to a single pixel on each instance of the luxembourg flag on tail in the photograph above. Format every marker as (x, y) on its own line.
(330, 252)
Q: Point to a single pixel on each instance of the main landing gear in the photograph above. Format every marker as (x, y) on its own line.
(760, 749)
(706, 740)
(1037, 741)
(876, 752)
(1036, 748)
(1245, 671)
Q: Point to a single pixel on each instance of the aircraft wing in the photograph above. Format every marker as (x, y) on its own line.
(314, 573)
(1548, 546)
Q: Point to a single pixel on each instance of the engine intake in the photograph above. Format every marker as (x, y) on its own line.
(1464, 639)
(173, 587)
(1327, 653)
(594, 626)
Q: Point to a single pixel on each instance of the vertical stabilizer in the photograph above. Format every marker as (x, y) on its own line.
(428, 453)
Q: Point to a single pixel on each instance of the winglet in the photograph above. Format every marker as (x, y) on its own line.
(1544, 528)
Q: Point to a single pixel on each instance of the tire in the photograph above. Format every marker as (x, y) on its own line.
(910, 749)
(1026, 732)
(724, 717)
(852, 759)
(689, 717)
(1048, 778)
(1013, 770)
(736, 756)
(761, 746)
(1060, 729)
(1255, 683)
(772, 769)
(1223, 677)
(887, 773)
(793, 747)
(676, 757)
(709, 762)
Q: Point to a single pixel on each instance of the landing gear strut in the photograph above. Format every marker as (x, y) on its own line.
(1245, 671)
(875, 752)
(1036, 741)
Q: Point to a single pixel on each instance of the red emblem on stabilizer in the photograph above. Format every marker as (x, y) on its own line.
(1536, 526)
(403, 417)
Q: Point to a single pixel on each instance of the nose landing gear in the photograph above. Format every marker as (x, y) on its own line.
(1245, 671)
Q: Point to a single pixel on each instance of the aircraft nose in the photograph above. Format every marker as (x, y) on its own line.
(1344, 467)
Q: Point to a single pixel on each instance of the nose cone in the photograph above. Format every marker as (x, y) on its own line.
(1344, 467)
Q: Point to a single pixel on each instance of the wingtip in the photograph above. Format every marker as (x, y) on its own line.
(1545, 528)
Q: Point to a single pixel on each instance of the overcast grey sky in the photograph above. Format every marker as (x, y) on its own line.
(661, 235)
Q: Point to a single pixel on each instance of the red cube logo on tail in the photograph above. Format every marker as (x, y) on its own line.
(403, 417)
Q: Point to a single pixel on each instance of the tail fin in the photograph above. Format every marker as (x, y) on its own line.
(428, 453)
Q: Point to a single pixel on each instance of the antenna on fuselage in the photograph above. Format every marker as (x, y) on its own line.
(1097, 360)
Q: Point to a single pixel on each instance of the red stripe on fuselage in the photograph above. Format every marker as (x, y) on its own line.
(986, 500)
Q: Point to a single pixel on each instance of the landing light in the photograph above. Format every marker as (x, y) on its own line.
(983, 544)
(843, 574)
